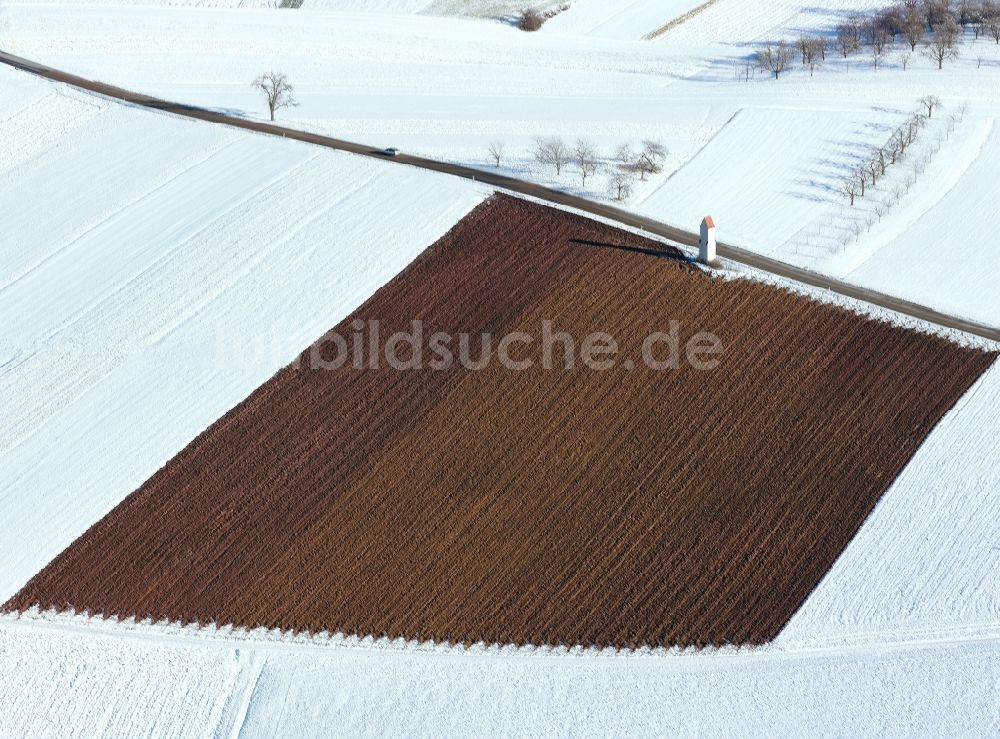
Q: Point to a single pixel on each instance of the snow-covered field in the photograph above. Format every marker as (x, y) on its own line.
(138, 248)
(498, 10)
(737, 23)
(926, 560)
(765, 157)
(74, 677)
(902, 638)
(758, 194)
(626, 19)
(953, 236)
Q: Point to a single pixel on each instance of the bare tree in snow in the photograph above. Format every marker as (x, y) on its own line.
(497, 152)
(815, 53)
(899, 144)
(775, 59)
(650, 159)
(846, 39)
(856, 25)
(878, 37)
(914, 25)
(552, 152)
(878, 34)
(943, 44)
(278, 91)
(625, 156)
(900, 141)
(628, 159)
(968, 13)
(990, 19)
(620, 185)
(877, 54)
(872, 165)
(936, 11)
(586, 159)
(653, 149)
(645, 161)
(803, 46)
(884, 155)
(891, 19)
(928, 103)
(850, 188)
(819, 46)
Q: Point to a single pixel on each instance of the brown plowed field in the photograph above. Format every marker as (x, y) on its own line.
(617, 507)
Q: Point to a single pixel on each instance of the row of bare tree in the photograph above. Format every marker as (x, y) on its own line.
(624, 165)
(892, 151)
(277, 90)
(937, 26)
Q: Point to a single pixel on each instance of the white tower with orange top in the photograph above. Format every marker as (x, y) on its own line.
(706, 245)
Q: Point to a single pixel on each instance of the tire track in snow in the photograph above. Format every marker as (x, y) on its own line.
(113, 315)
(77, 240)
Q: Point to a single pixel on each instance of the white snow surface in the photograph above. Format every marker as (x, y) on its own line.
(766, 158)
(927, 557)
(626, 19)
(956, 234)
(154, 272)
(140, 250)
(71, 676)
(497, 10)
(901, 639)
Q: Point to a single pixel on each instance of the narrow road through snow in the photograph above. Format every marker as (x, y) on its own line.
(522, 187)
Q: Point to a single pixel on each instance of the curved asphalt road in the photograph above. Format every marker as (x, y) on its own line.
(522, 187)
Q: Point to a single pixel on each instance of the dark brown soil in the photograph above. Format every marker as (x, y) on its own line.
(620, 507)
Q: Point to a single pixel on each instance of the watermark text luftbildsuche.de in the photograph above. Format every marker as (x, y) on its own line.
(365, 345)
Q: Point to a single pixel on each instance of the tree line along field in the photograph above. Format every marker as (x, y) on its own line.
(622, 507)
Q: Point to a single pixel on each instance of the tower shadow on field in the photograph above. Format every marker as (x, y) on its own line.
(668, 253)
